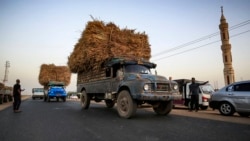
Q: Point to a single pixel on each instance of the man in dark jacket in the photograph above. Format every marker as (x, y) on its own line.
(194, 92)
(17, 96)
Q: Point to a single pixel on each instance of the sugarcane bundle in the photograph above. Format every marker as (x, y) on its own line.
(100, 42)
(1, 86)
(50, 72)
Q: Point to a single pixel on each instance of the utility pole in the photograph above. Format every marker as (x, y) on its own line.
(7, 65)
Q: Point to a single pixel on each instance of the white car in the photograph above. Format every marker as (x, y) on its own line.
(232, 98)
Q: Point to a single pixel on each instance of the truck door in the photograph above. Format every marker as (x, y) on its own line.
(114, 82)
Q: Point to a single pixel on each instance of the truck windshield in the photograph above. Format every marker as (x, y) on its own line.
(208, 89)
(137, 69)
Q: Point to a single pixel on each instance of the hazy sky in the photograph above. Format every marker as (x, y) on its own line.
(35, 32)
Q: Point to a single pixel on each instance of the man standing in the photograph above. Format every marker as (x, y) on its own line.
(17, 96)
(194, 92)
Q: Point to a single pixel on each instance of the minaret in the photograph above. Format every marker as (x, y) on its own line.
(226, 50)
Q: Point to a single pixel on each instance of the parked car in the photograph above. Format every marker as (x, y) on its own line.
(232, 98)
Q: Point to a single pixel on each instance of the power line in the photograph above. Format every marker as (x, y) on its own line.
(235, 35)
(202, 38)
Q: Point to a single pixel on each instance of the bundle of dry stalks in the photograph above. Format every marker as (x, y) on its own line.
(50, 72)
(1, 86)
(100, 42)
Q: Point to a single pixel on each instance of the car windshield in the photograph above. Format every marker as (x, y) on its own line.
(37, 90)
(208, 89)
(137, 69)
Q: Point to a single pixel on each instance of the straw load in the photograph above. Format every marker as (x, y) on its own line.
(50, 72)
(3, 87)
(100, 42)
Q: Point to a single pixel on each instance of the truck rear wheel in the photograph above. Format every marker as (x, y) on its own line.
(126, 106)
(48, 99)
(85, 100)
(163, 108)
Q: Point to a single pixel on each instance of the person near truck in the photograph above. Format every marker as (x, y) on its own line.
(194, 92)
(17, 96)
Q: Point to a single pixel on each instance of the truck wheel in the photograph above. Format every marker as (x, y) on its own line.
(85, 100)
(126, 106)
(57, 99)
(45, 98)
(64, 99)
(48, 99)
(110, 103)
(164, 108)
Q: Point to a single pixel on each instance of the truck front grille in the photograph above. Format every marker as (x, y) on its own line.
(161, 87)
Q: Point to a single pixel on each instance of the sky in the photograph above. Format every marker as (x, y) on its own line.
(183, 35)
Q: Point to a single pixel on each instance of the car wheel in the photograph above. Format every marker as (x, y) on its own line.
(244, 114)
(126, 106)
(226, 109)
(85, 100)
(163, 108)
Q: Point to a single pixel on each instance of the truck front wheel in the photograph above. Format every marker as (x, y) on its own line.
(85, 100)
(163, 108)
(126, 106)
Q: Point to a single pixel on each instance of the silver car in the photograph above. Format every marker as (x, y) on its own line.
(232, 98)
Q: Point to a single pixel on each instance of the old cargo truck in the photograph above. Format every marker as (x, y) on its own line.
(129, 83)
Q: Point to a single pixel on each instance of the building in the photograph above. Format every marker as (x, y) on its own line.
(226, 50)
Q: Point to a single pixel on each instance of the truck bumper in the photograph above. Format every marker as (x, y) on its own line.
(157, 97)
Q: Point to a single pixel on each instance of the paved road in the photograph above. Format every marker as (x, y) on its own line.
(64, 121)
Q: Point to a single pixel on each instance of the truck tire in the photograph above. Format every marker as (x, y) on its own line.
(48, 99)
(126, 106)
(64, 99)
(164, 107)
(45, 98)
(85, 100)
(109, 103)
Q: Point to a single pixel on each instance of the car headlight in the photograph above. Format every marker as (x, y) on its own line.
(146, 87)
(175, 86)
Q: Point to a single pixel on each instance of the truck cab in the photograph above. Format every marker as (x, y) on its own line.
(130, 84)
(204, 95)
(55, 90)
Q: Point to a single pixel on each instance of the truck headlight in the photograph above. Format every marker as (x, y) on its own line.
(175, 86)
(146, 87)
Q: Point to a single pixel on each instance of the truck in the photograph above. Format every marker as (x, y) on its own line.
(128, 83)
(5, 95)
(204, 95)
(55, 90)
(37, 93)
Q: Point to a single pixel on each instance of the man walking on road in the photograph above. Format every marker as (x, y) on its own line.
(17, 96)
(194, 92)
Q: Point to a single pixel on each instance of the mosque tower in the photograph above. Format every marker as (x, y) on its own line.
(226, 50)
